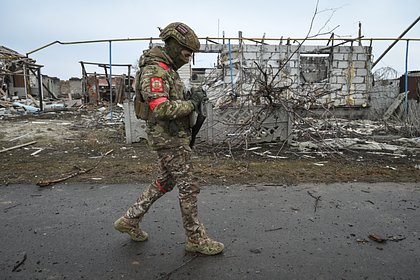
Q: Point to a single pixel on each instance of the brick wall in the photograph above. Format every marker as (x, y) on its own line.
(338, 76)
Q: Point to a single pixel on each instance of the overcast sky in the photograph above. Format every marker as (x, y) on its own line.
(28, 25)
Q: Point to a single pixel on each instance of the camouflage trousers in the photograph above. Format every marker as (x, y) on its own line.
(175, 170)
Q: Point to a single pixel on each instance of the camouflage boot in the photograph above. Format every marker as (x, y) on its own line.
(130, 226)
(201, 243)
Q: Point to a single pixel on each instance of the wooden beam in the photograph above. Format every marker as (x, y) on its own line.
(18, 146)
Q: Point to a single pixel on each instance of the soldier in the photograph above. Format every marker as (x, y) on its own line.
(159, 86)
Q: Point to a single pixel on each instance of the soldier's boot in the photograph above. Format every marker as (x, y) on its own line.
(131, 226)
(203, 244)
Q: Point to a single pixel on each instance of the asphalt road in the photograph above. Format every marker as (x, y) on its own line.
(270, 232)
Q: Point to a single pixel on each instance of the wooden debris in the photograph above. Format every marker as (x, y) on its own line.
(396, 238)
(19, 263)
(16, 138)
(376, 238)
(391, 109)
(18, 146)
(37, 152)
(317, 199)
(47, 183)
(273, 229)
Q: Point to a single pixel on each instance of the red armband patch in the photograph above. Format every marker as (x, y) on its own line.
(157, 101)
(156, 84)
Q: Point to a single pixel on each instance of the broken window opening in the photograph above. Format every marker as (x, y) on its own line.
(314, 67)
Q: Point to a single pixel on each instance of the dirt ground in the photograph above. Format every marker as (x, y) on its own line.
(73, 145)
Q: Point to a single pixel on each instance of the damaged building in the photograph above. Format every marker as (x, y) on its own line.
(20, 77)
(25, 90)
(257, 89)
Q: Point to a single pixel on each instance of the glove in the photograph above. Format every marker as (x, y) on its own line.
(197, 97)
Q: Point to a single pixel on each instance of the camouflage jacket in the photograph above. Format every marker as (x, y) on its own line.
(168, 125)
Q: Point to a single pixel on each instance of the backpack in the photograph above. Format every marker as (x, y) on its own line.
(140, 105)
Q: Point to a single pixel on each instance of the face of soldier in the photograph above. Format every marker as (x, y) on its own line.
(186, 55)
(179, 54)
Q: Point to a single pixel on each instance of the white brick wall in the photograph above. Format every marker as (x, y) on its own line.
(345, 61)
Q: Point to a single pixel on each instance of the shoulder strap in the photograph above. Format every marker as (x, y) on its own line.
(163, 65)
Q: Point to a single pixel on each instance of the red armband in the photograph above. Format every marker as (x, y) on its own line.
(157, 101)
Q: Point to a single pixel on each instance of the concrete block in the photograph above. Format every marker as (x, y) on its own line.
(294, 72)
(358, 80)
(336, 87)
(339, 102)
(135, 129)
(341, 80)
(274, 64)
(270, 55)
(343, 49)
(362, 57)
(251, 48)
(359, 64)
(343, 64)
(338, 56)
(360, 87)
(336, 72)
(358, 96)
(361, 72)
(359, 49)
(361, 102)
(251, 55)
(309, 49)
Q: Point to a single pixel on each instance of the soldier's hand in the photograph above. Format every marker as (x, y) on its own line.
(197, 97)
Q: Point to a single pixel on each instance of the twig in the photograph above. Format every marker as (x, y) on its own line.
(166, 276)
(10, 207)
(82, 171)
(317, 199)
(20, 262)
(274, 229)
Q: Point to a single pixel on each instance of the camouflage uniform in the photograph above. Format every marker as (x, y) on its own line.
(169, 134)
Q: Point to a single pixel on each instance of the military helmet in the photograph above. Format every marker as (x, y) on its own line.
(182, 33)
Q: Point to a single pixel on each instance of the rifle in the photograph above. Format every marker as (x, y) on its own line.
(201, 117)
